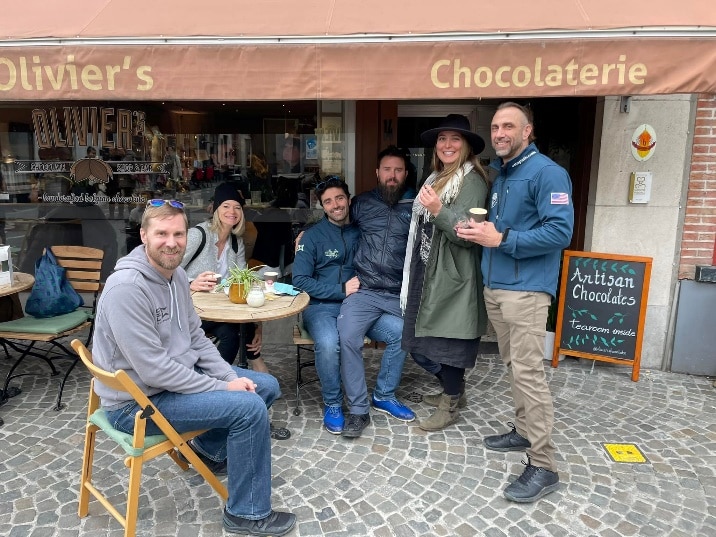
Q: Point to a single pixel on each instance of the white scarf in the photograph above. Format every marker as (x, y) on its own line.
(420, 213)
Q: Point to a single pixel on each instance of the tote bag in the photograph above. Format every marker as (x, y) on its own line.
(52, 294)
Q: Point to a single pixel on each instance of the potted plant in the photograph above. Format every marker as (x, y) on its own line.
(239, 282)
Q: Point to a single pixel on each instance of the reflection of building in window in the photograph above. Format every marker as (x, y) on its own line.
(291, 155)
(18, 185)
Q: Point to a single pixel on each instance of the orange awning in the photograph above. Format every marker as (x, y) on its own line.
(320, 49)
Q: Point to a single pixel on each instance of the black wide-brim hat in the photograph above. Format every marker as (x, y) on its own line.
(457, 123)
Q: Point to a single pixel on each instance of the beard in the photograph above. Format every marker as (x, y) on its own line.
(158, 256)
(391, 194)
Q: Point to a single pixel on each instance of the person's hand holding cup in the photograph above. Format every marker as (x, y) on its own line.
(270, 278)
(206, 281)
(475, 214)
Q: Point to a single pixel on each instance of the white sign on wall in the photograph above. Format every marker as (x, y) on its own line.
(639, 187)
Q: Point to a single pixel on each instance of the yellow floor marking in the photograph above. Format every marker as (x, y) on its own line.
(625, 453)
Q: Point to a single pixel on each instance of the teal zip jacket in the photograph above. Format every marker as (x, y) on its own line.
(324, 261)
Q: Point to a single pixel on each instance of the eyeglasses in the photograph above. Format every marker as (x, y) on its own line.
(158, 203)
(330, 181)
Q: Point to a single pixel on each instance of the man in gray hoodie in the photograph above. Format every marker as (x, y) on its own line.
(147, 326)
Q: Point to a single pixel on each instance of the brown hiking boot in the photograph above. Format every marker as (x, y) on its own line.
(446, 414)
(434, 399)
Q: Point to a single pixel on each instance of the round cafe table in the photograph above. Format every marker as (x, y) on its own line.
(20, 282)
(216, 306)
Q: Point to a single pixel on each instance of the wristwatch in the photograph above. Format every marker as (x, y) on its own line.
(504, 235)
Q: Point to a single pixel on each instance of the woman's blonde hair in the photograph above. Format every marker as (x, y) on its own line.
(259, 165)
(444, 173)
(238, 229)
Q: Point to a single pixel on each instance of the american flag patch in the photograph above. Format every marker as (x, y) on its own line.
(559, 198)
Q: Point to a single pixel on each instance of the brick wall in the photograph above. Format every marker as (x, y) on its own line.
(699, 237)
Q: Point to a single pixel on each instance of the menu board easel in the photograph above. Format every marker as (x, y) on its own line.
(602, 307)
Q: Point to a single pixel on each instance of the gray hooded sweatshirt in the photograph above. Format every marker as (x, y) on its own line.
(147, 326)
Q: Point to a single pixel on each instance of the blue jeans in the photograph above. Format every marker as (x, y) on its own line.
(239, 431)
(377, 314)
(320, 321)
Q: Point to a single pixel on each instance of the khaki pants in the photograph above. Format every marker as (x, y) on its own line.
(519, 319)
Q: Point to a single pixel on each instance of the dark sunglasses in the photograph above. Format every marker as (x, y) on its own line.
(158, 203)
(331, 181)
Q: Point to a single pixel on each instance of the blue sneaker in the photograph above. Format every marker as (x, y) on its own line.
(394, 408)
(333, 419)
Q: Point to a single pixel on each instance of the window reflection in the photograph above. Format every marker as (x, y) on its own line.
(46, 198)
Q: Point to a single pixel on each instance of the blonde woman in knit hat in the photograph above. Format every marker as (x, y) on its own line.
(222, 247)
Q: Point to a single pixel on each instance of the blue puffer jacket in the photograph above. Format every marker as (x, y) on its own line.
(532, 196)
(324, 261)
(384, 237)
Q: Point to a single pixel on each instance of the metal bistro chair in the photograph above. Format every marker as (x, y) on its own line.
(138, 447)
(304, 342)
(82, 266)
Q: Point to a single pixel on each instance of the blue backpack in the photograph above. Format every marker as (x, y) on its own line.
(52, 294)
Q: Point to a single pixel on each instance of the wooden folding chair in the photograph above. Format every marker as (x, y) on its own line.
(139, 447)
(82, 266)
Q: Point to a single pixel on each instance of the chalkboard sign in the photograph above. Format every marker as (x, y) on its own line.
(602, 306)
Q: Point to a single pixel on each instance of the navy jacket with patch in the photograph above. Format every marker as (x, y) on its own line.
(532, 195)
(324, 261)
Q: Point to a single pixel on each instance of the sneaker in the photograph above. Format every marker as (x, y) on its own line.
(333, 419)
(394, 408)
(356, 424)
(512, 441)
(276, 523)
(534, 483)
(216, 467)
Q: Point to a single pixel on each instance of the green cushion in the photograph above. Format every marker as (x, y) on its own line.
(99, 418)
(49, 325)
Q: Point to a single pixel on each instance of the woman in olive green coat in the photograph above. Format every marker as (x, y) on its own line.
(444, 312)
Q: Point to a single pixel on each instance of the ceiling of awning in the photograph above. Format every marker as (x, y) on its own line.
(234, 50)
(235, 18)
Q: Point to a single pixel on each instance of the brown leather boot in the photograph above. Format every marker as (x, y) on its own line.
(434, 399)
(446, 414)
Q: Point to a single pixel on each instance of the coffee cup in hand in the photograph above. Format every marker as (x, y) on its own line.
(477, 214)
(270, 278)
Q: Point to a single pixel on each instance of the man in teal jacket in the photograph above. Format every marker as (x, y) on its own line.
(530, 222)
(323, 268)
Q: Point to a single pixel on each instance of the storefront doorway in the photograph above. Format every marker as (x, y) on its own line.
(564, 128)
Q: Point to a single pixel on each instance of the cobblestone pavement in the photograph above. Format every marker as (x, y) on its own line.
(397, 480)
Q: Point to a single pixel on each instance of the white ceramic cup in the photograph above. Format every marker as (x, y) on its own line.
(270, 278)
